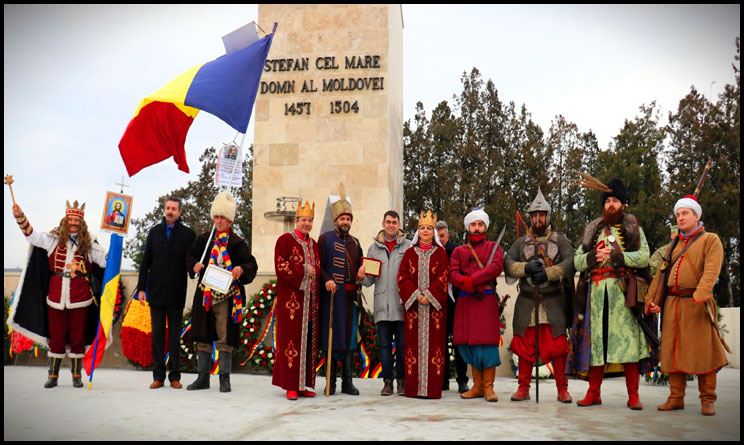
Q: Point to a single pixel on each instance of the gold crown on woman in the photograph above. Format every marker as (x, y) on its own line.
(427, 219)
(306, 211)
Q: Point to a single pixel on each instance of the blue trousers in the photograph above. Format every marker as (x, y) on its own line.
(387, 332)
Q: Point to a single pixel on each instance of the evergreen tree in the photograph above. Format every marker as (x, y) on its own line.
(700, 130)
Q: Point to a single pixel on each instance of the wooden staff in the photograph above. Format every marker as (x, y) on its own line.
(9, 182)
(328, 352)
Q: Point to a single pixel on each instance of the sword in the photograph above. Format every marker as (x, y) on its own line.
(501, 235)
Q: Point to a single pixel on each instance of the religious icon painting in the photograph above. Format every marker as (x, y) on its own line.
(116, 213)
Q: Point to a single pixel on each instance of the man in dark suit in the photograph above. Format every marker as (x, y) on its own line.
(460, 366)
(163, 273)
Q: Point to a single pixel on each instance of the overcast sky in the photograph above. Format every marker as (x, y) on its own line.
(73, 76)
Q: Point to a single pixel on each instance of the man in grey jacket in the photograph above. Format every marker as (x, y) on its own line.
(388, 247)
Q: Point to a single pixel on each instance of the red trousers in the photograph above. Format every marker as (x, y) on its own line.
(550, 348)
(67, 327)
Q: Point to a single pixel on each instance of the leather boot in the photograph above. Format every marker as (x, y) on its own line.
(225, 359)
(596, 373)
(204, 368)
(632, 377)
(489, 375)
(77, 367)
(347, 369)
(401, 387)
(334, 367)
(561, 381)
(477, 389)
(707, 388)
(462, 385)
(525, 377)
(54, 364)
(677, 386)
(387, 389)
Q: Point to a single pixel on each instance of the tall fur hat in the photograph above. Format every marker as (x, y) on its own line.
(223, 205)
(617, 189)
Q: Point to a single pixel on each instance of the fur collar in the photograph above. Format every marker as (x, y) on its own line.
(630, 230)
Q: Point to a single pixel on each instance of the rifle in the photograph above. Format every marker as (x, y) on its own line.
(665, 265)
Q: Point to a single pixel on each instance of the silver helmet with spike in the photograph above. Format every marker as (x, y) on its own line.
(539, 204)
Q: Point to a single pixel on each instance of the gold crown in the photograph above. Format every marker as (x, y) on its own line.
(427, 219)
(75, 210)
(306, 211)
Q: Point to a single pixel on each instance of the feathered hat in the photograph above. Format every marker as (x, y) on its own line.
(342, 206)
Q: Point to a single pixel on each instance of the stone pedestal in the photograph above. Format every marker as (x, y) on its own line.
(329, 110)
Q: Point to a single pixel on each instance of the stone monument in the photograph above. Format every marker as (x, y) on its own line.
(329, 110)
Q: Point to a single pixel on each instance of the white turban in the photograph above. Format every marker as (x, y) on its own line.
(689, 202)
(476, 215)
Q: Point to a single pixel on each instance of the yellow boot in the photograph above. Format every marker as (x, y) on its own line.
(489, 374)
(477, 389)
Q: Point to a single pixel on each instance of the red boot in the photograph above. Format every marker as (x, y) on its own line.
(525, 377)
(632, 377)
(561, 381)
(596, 373)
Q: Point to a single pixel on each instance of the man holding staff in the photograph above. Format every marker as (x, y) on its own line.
(64, 285)
(216, 316)
(340, 274)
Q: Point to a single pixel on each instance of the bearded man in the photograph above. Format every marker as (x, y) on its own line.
(473, 269)
(63, 279)
(340, 275)
(609, 245)
(543, 262)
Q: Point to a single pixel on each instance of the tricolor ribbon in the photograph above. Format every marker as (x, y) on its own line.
(270, 325)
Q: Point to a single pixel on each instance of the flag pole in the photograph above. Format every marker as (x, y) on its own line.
(100, 327)
(95, 350)
(238, 160)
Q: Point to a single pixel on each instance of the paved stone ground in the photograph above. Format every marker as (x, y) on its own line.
(120, 406)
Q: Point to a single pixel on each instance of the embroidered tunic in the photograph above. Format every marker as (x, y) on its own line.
(425, 325)
(297, 266)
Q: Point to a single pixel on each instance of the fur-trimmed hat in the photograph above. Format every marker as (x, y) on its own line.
(223, 205)
(617, 189)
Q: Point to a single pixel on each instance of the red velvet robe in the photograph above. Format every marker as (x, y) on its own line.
(425, 325)
(296, 312)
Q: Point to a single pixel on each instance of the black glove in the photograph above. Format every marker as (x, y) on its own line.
(539, 277)
(533, 267)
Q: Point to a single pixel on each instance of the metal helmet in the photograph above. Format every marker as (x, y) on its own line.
(539, 204)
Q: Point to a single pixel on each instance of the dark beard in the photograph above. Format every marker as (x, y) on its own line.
(342, 230)
(539, 230)
(612, 218)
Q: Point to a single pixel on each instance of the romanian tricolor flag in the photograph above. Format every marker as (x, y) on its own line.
(111, 276)
(225, 87)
